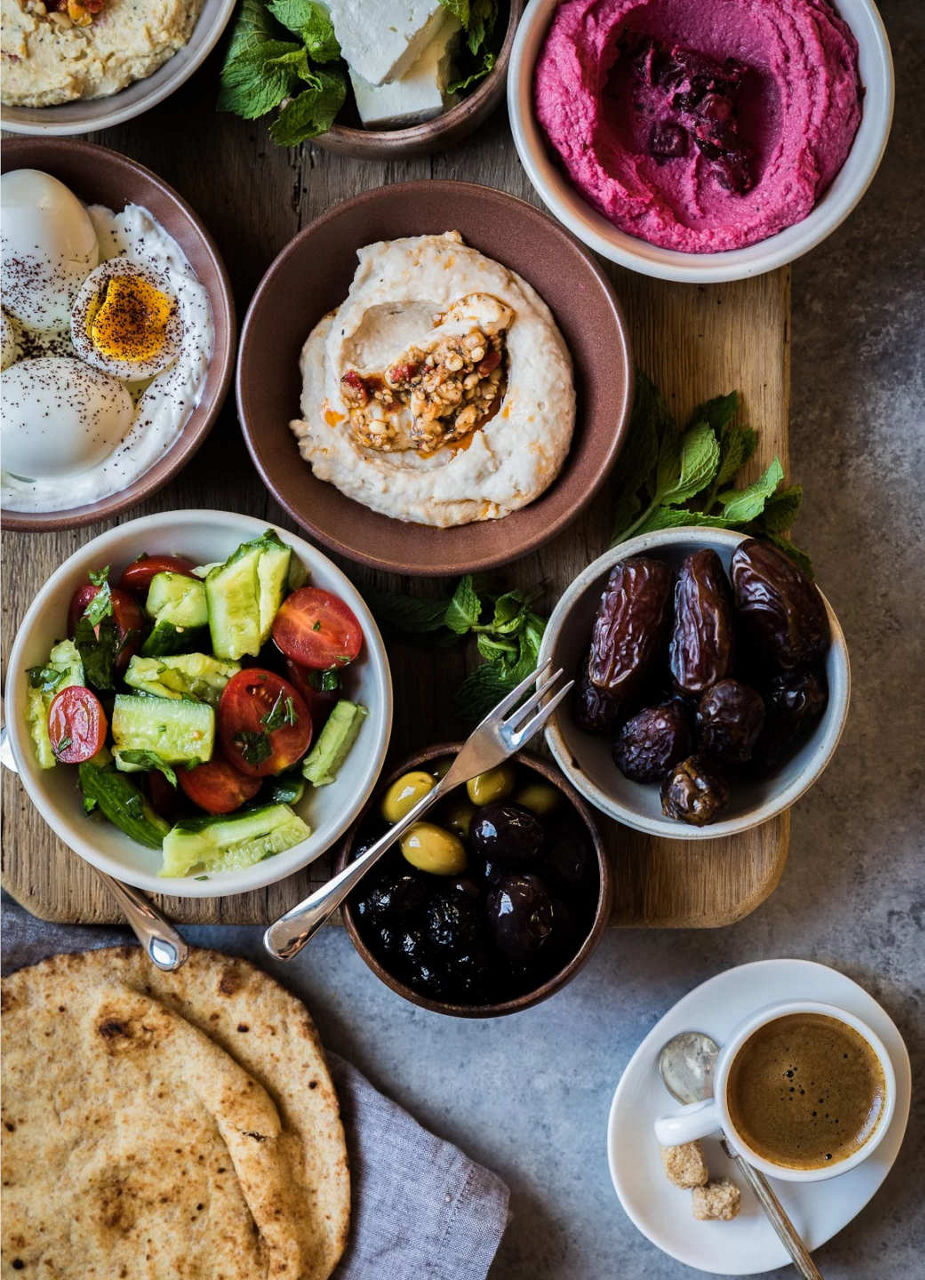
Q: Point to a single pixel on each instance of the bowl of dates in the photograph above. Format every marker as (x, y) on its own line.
(490, 904)
(712, 682)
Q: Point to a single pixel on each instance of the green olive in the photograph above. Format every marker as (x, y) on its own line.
(440, 768)
(430, 848)
(496, 784)
(539, 797)
(459, 817)
(404, 793)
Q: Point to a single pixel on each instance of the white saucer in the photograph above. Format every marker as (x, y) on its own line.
(819, 1210)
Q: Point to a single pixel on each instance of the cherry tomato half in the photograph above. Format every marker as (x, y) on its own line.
(264, 725)
(77, 724)
(137, 576)
(130, 618)
(320, 702)
(317, 630)
(216, 787)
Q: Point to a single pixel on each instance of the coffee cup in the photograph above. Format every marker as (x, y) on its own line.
(803, 1091)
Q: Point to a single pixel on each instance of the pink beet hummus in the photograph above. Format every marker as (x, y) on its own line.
(700, 125)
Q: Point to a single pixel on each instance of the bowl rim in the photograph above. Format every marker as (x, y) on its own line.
(50, 127)
(784, 247)
(504, 554)
(826, 735)
(188, 442)
(559, 979)
(391, 141)
(65, 827)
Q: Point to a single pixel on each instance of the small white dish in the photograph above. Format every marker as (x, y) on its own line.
(86, 115)
(819, 1210)
(586, 759)
(206, 537)
(562, 199)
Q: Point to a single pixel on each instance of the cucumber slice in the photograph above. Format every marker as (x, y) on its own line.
(63, 668)
(232, 594)
(121, 802)
(184, 675)
(229, 844)
(180, 732)
(323, 762)
(286, 788)
(272, 577)
(176, 598)
(168, 638)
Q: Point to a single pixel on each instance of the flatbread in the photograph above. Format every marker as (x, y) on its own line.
(167, 1126)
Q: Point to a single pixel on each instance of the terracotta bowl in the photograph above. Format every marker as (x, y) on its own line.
(443, 131)
(100, 176)
(601, 915)
(311, 277)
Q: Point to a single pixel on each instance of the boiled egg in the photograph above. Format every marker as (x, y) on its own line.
(60, 417)
(47, 246)
(12, 342)
(126, 320)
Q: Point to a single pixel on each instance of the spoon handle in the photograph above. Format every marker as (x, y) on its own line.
(161, 942)
(777, 1216)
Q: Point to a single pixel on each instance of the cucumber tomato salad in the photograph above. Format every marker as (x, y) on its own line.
(197, 703)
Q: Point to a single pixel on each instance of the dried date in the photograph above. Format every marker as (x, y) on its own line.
(594, 710)
(630, 629)
(652, 742)
(729, 719)
(795, 702)
(700, 654)
(694, 793)
(780, 610)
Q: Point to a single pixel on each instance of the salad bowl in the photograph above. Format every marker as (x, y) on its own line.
(207, 537)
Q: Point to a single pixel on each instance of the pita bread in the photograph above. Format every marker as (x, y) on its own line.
(170, 1126)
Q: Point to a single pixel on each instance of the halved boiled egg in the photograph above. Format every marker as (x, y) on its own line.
(60, 417)
(126, 320)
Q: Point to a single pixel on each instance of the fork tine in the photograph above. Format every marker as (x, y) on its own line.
(516, 694)
(519, 715)
(520, 736)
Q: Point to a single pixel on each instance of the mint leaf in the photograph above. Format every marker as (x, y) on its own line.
(744, 505)
(254, 747)
(782, 509)
(799, 558)
(464, 609)
(718, 412)
(467, 81)
(311, 21)
(407, 614)
(313, 111)
(698, 461)
(45, 678)
(150, 760)
(101, 576)
(98, 648)
(259, 77)
(737, 444)
(100, 606)
(673, 518)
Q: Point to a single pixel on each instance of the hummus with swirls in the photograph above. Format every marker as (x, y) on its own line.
(56, 51)
(440, 391)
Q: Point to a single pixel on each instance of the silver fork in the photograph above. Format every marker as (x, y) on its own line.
(495, 739)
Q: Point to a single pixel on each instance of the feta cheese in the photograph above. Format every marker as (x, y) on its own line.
(382, 39)
(419, 95)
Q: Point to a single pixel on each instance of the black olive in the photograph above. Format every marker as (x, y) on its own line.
(506, 832)
(569, 861)
(394, 894)
(523, 917)
(453, 922)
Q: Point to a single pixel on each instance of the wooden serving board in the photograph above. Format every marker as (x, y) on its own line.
(694, 341)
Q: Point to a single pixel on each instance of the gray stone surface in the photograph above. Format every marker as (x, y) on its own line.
(529, 1095)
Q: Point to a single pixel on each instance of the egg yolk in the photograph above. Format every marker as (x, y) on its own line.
(130, 322)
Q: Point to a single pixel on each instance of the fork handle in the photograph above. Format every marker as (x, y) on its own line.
(287, 936)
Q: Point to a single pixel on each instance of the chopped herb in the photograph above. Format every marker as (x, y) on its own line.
(63, 744)
(45, 678)
(150, 760)
(100, 577)
(98, 648)
(282, 712)
(316, 626)
(254, 747)
(100, 606)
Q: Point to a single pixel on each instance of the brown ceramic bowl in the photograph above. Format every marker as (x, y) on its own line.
(601, 915)
(100, 176)
(443, 131)
(311, 277)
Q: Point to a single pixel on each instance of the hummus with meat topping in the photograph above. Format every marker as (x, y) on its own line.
(55, 51)
(700, 125)
(440, 391)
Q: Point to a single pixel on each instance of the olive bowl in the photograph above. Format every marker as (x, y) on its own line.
(548, 773)
(586, 759)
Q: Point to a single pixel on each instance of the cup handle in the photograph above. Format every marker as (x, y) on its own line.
(693, 1121)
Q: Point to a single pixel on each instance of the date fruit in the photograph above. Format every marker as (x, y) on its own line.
(729, 719)
(694, 793)
(630, 628)
(700, 654)
(795, 702)
(780, 609)
(595, 710)
(651, 742)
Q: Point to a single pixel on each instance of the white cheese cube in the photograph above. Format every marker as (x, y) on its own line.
(421, 92)
(382, 39)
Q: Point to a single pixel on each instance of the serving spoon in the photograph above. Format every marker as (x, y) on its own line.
(161, 942)
(685, 1064)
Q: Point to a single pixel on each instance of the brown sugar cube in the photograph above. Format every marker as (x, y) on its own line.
(719, 1199)
(685, 1165)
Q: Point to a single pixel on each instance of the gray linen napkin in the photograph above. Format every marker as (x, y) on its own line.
(421, 1209)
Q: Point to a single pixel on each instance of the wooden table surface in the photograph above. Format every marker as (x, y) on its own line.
(694, 341)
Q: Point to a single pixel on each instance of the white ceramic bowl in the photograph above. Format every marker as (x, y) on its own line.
(205, 536)
(598, 233)
(586, 759)
(89, 114)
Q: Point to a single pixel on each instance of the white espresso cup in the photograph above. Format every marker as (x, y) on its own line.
(700, 1119)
